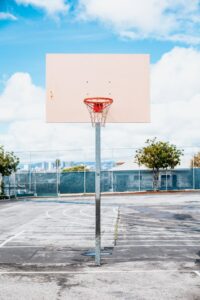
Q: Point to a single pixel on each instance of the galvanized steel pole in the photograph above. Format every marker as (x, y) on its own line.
(98, 194)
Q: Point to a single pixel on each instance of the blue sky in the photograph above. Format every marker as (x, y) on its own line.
(167, 30)
(25, 41)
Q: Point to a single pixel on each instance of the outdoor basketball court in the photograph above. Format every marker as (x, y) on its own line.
(109, 247)
(96, 89)
(150, 248)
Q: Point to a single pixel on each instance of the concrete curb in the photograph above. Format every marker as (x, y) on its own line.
(110, 194)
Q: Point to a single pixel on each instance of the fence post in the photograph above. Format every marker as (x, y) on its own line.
(84, 180)
(9, 187)
(193, 174)
(112, 180)
(139, 179)
(59, 180)
(35, 185)
(30, 174)
(15, 185)
(57, 191)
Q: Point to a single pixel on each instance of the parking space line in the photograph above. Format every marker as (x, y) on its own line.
(11, 238)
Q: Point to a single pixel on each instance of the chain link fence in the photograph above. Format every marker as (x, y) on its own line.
(56, 183)
(41, 173)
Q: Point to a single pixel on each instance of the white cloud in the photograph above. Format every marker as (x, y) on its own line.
(7, 16)
(174, 114)
(171, 19)
(176, 76)
(22, 108)
(21, 99)
(36, 135)
(50, 6)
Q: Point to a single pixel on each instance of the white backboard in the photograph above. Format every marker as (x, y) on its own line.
(72, 77)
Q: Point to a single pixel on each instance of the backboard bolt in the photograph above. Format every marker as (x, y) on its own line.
(51, 95)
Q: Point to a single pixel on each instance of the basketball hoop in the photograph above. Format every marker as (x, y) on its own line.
(98, 108)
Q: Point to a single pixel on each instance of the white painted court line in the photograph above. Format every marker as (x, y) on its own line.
(132, 246)
(165, 235)
(11, 238)
(18, 246)
(76, 219)
(79, 221)
(105, 214)
(157, 240)
(34, 221)
(47, 213)
(94, 272)
(82, 213)
(197, 273)
(11, 207)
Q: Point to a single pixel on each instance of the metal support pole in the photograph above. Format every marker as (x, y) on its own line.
(30, 174)
(98, 194)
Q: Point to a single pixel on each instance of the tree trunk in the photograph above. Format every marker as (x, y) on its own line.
(155, 180)
(1, 185)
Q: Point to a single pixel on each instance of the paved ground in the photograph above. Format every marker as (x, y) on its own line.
(151, 248)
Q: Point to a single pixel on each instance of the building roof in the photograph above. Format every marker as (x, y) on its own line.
(130, 165)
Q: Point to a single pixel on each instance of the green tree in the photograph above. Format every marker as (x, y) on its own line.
(8, 164)
(195, 161)
(79, 168)
(158, 155)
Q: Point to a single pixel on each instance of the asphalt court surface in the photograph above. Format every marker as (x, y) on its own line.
(53, 232)
(151, 240)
